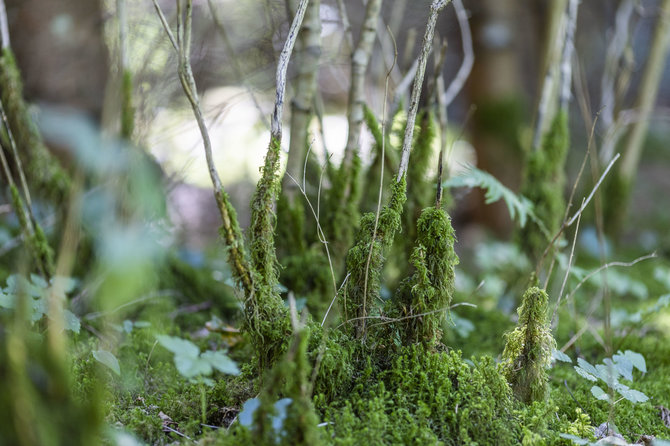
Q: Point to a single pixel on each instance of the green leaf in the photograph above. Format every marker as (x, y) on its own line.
(517, 205)
(106, 358)
(19, 284)
(39, 307)
(72, 322)
(632, 395)
(560, 356)
(221, 362)
(584, 374)
(190, 367)
(624, 366)
(575, 439)
(179, 346)
(607, 372)
(246, 415)
(599, 393)
(7, 300)
(637, 360)
(586, 370)
(39, 281)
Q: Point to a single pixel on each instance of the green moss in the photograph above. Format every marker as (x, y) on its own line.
(420, 188)
(616, 200)
(127, 108)
(308, 275)
(543, 185)
(423, 298)
(528, 349)
(365, 260)
(42, 170)
(414, 401)
(266, 317)
(290, 378)
(389, 162)
(35, 237)
(37, 401)
(340, 216)
(291, 227)
(263, 257)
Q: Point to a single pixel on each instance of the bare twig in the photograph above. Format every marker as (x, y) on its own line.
(595, 188)
(381, 168)
(468, 54)
(435, 9)
(320, 233)
(282, 68)
(4, 26)
(346, 25)
(615, 51)
(567, 222)
(230, 232)
(606, 266)
(305, 83)
(232, 58)
(567, 270)
(568, 50)
(344, 282)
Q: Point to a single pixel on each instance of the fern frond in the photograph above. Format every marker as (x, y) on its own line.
(518, 206)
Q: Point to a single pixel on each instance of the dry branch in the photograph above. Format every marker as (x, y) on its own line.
(435, 9)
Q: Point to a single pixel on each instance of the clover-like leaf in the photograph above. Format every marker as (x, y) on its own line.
(584, 374)
(632, 395)
(72, 322)
(190, 367)
(624, 366)
(599, 393)
(221, 362)
(178, 346)
(637, 360)
(560, 356)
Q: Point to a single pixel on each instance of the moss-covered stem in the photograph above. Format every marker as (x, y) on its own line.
(360, 58)
(230, 230)
(528, 349)
(126, 93)
(426, 47)
(553, 46)
(43, 171)
(33, 233)
(423, 298)
(263, 255)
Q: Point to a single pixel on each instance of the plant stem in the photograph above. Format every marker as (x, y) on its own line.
(426, 47)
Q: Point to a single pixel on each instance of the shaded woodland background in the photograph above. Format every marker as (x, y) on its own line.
(63, 50)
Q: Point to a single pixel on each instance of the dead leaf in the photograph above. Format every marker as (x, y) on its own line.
(665, 415)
